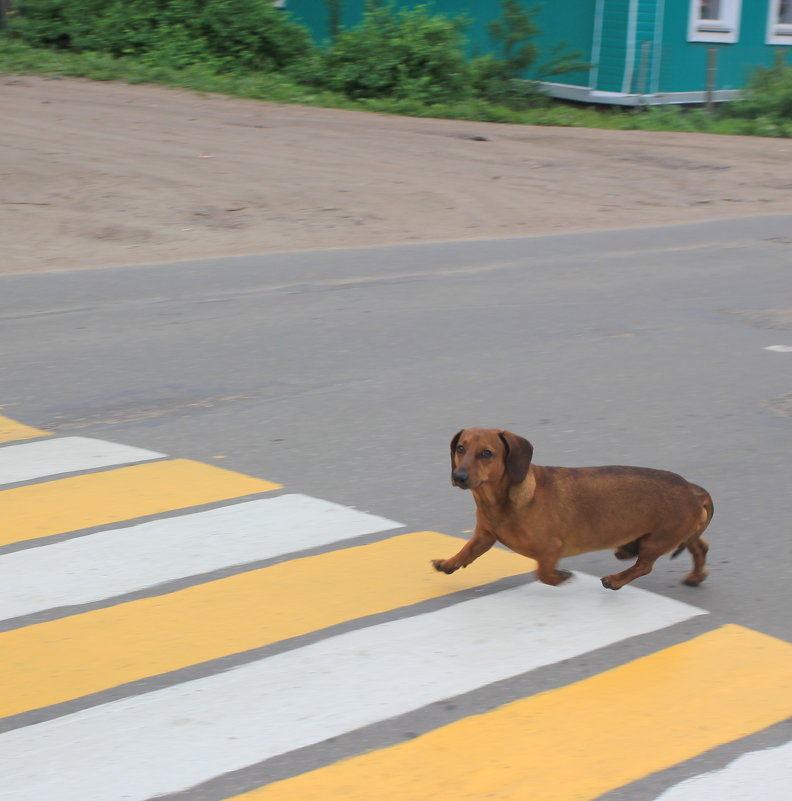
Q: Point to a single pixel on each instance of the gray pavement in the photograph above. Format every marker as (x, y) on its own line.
(343, 374)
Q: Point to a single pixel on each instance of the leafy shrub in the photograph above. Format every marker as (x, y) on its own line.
(398, 53)
(251, 34)
(235, 35)
(512, 34)
(509, 75)
(767, 97)
(494, 80)
(53, 23)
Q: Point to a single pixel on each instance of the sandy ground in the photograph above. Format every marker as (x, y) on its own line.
(106, 174)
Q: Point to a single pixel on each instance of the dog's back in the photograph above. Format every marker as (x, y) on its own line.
(608, 506)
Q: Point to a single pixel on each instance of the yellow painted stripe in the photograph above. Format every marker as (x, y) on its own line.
(580, 741)
(63, 659)
(69, 504)
(10, 430)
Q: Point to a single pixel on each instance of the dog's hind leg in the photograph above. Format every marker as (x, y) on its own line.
(650, 548)
(698, 548)
(697, 545)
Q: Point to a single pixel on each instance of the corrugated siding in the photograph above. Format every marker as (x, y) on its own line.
(684, 65)
(628, 48)
(644, 47)
(610, 72)
(571, 23)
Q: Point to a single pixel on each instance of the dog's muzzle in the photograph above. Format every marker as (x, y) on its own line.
(459, 478)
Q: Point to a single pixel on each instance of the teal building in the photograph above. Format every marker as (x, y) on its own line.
(640, 51)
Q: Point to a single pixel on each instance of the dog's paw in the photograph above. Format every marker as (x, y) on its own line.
(694, 579)
(607, 582)
(439, 565)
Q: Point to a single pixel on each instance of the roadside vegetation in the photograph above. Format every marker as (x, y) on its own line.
(399, 61)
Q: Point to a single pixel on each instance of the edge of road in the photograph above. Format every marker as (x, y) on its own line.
(289, 271)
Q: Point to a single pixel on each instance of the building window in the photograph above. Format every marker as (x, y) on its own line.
(779, 22)
(715, 20)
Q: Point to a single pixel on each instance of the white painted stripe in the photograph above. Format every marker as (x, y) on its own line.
(758, 776)
(123, 560)
(192, 732)
(629, 57)
(49, 457)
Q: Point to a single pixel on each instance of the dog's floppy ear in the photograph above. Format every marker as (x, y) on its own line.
(454, 442)
(519, 453)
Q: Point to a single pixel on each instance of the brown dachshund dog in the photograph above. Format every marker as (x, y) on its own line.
(547, 513)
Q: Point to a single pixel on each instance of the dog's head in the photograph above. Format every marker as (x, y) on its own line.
(487, 456)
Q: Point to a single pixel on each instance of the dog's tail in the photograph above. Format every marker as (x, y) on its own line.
(709, 511)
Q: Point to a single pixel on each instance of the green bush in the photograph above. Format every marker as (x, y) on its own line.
(767, 100)
(251, 34)
(235, 35)
(53, 23)
(509, 76)
(512, 35)
(398, 53)
(495, 81)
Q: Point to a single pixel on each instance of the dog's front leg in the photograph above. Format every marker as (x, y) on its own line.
(546, 570)
(479, 543)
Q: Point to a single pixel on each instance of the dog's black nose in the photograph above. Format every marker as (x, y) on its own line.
(459, 477)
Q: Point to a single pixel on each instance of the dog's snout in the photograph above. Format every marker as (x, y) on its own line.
(460, 477)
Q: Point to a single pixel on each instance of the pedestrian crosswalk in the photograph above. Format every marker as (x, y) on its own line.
(13, 431)
(48, 457)
(166, 623)
(70, 504)
(581, 740)
(158, 553)
(765, 775)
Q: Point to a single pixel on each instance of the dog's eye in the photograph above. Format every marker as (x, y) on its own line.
(460, 448)
(486, 454)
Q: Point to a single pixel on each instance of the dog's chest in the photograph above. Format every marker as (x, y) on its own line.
(510, 531)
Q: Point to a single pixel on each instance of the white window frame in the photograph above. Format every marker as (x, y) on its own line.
(725, 30)
(778, 33)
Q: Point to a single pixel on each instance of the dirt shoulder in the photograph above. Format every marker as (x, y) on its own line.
(108, 174)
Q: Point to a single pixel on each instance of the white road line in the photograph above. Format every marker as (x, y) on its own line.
(123, 560)
(49, 457)
(758, 776)
(192, 732)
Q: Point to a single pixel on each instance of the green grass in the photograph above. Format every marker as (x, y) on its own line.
(17, 58)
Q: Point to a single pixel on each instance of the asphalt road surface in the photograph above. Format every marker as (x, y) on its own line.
(330, 384)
